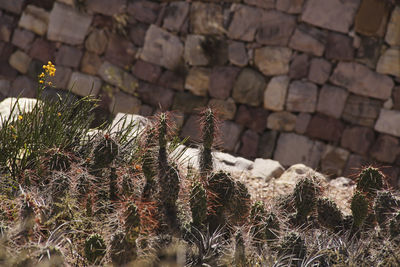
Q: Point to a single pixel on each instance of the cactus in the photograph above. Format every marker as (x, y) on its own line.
(57, 160)
(370, 180)
(240, 204)
(359, 208)
(385, 204)
(59, 185)
(132, 221)
(240, 252)
(148, 165)
(305, 196)
(329, 214)
(394, 226)
(272, 227)
(113, 190)
(198, 205)
(265, 226)
(292, 244)
(95, 248)
(122, 250)
(27, 213)
(104, 153)
(208, 132)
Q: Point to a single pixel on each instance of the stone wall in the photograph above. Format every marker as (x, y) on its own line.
(310, 81)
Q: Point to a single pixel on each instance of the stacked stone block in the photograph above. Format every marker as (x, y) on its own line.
(308, 81)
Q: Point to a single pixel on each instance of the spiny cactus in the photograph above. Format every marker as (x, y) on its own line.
(265, 225)
(113, 190)
(292, 244)
(305, 196)
(394, 226)
(272, 226)
(27, 213)
(385, 204)
(240, 204)
(132, 221)
(208, 132)
(95, 248)
(104, 153)
(359, 208)
(240, 252)
(149, 164)
(59, 185)
(329, 215)
(370, 180)
(198, 205)
(122, 250)
(57, 160)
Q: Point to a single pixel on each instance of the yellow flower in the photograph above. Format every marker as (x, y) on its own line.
(50, 83)
(41, 75)
(20, 117)
(41, 81)
(59, 114)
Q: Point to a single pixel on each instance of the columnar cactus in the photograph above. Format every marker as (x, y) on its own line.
(122, 250)
(208, 132)
(198, 205)
(370, 180)
(132, 221)
(113, 190)
(95, 248)
(305, 196)
(149, 164)
(240, 204)
(359, 208)
(385, 204)
(329, 215)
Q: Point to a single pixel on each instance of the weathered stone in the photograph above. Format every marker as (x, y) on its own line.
(293, 148)
(388, 104)
(144, 11)
(372, 17)
(6, 27)
(146, 111)
(290, 6)
(206, 18)
(302, 97)
(268, 4)
(251, 117)
(392, 34)
(34, 19)
(266, 145)
(389, 62)
(194, 53)
(146, 71)
(361, 80)
(96, 42)
(68, 56)
(396, 98)
(339, 47)
(333, 15)
(188, 103)
(172, 80)
(228, 163)
(222, 80)
(67, 25)
(302, 121)
(175, 15)
(275, 28)
(117, 77)
(237, 54)
(191, 129)
(62, 77)
(156, 96)
(331, 100)
(226, 108)
(281, 121)
(162, 48)
(361, 110)
(325, 128)
(22, 86)
(357, 139)
(84, 84)
(388, 122)
(22, 38)
(42, 50)
(106, 7)
(244, 23)
(230, 133)
(320, 69)
(6, 71)
(385, 149)
(272, 60)
(197, 81)
(20, 61)
(266, 169)
(14, 6)
(120, 51)
(91, 63)
(122, 102)
(299, 67)
(334, 160)
(137, 33)
(215, 48)
(309, 40)
(5, 87)
(249, 144)
(249, 87)
(275, 93)
(369, 51)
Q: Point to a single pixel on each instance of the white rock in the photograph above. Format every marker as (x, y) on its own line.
(23, 105)
(266, 169)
